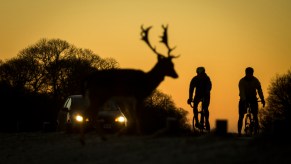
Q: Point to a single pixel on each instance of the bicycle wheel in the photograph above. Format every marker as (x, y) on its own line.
(196, 129)
(252, 128)
(202, 122)
(193, 124)
(248, 126)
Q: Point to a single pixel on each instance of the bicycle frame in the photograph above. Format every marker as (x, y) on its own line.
(249, 121)
(201, 117)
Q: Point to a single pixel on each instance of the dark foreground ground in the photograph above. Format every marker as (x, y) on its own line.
(58, 147)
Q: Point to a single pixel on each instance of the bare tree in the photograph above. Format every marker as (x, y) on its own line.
(47, 54)
(19, 73)
(51, 69)
(55, 61)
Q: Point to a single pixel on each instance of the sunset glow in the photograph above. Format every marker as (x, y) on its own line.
(223, 36)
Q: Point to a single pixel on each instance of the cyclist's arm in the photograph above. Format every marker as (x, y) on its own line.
(241, 86)
(191, 90)
(260, 92)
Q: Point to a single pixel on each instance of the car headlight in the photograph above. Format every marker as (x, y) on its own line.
(79, 118)
(120, 119)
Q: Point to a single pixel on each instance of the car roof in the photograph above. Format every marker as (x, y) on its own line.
(76, 96)
(78, 101)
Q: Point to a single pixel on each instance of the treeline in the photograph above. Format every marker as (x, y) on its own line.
(35, 83)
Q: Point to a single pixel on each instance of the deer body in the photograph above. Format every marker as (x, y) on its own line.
(128, 87)
(126, 82)
(108, 83)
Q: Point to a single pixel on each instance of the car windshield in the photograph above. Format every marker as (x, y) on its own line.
(78, 103)
(110, 106)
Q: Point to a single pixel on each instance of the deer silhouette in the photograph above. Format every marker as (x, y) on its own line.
(129, 87)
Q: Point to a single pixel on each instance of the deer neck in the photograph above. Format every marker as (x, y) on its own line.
(156, 76)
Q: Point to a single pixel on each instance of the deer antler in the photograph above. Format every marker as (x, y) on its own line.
(164, 37)
(164, 40)
(144, 37)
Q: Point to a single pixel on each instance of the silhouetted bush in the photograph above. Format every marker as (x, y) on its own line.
(22, 110)
(159, 111)
(275, 117)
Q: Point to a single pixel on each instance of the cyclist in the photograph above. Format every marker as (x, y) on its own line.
(249, 87)
(202, 85)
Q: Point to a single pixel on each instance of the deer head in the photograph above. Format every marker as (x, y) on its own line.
(165, 63)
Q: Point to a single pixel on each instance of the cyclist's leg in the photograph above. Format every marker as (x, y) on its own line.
(202, 118)
(254, 106)
(241, 111)
(195, 110)
(206, 114)
(205, 105)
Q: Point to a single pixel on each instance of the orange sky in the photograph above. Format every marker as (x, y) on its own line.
(224, 36)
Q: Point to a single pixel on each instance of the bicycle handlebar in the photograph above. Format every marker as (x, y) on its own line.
(248, 102)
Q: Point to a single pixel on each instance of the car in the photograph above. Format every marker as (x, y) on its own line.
(71, 116)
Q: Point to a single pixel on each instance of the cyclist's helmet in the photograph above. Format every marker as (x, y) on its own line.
(200, 70)
(249, 71)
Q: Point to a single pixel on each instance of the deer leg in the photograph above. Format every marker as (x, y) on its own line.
(96, 106)
(99, 129)
(127, 108)
(137, 117)
(82, 134)
(92, 114)
(86, 114)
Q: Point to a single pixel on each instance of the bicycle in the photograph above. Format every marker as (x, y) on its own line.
(201, 118)
(249, 122)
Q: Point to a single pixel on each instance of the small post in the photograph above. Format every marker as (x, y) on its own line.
(221, 127)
